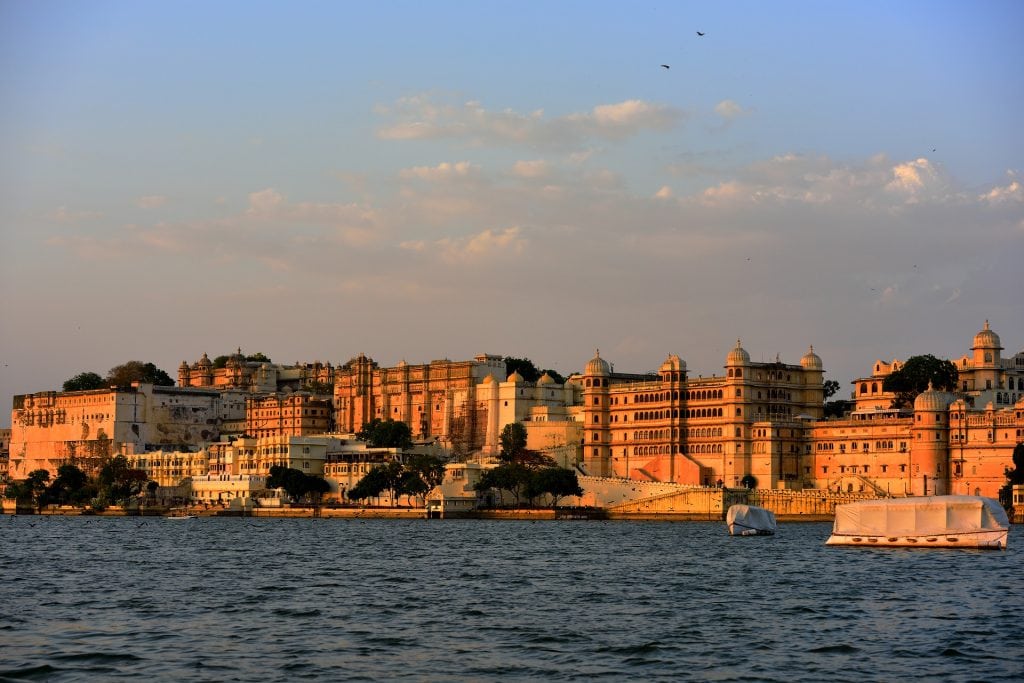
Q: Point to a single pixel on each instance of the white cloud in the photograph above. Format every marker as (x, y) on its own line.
(419, 118)
(729, 109)
(1012, 192)
(664, 193)
(443, 171)
(487, 244)
(911, 178)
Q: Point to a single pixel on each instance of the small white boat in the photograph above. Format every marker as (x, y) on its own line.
(750, 520)
(922, 522)
(177, 517)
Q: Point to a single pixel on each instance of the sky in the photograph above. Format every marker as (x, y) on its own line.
(416, 181)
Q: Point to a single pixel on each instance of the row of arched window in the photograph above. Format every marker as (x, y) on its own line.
(695, 449)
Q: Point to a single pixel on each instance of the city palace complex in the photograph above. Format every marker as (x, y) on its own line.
(214, 437)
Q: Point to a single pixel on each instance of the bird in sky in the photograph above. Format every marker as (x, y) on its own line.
(665, 66)
(699, 33)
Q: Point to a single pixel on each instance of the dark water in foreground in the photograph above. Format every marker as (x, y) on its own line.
(264, 600)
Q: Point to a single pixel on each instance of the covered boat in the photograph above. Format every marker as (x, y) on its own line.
(750, 520)
(928, 522)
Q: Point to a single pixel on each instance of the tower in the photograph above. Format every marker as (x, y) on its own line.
(929, 446)
(596, 437)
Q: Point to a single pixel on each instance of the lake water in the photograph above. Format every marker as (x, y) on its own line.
(210, 599)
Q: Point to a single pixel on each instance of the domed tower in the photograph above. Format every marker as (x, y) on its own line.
(814, 384)
(596, 436)
(987, 363)
(234, 369)
(204, 371)
(184, 375)
(736, 407)
(929, 446)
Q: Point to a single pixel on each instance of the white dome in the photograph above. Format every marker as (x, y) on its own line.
(986, 339)
(597, 365)
(932, 400)
(738, 356)
(811, 360)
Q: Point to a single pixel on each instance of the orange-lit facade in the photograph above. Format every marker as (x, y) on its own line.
(298, 414)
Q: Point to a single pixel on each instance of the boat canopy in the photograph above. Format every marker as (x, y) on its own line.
(745, 520)
(920, 516)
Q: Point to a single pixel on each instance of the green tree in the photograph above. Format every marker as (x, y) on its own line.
(20, 492)
(914, 377)
(513, 441)
(257, 358)
(748, 481)
(524, 366)
(118, 482)
(386, 434)
(557, 482)
(137, 371)
(1014, 477)
(297, 484)
(831, 388)
(71, 487)
(510, 476)
(514, 450)
(553, 374)
(838, 408)
(37, 483)
(84, 381)
(380, 478)
(220, 362)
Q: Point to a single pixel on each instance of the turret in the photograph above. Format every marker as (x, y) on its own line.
(929, 447)
(596, 438)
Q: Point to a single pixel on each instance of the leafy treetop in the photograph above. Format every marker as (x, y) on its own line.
(137, 371)
(831, 388)
(85, 381)
(528, 371)
(914, 377)
(386, 434)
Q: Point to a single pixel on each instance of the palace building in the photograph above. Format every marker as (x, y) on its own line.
(705, 431)
(761, 424)
(50, 428)
(258, 377)
(437, 400)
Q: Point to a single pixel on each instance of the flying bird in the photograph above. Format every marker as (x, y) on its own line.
(665, 66)
(699, 33)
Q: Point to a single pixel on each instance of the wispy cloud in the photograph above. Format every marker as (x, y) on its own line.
(420, 118)
(729, 110)
(443, 171)
(484, 245)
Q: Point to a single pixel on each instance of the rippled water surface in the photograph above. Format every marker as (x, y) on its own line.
(256, 599)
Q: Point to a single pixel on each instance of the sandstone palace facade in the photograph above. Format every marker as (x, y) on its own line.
(753, 424)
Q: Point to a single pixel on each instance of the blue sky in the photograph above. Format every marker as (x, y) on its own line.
(423, 180)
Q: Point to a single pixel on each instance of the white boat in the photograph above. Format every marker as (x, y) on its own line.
(750, 520)
(922, 522)
(177, 517)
